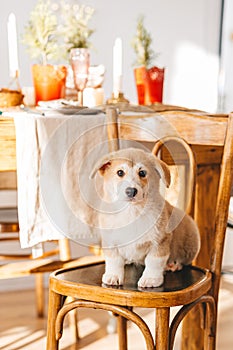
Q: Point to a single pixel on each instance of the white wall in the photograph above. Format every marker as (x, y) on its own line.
(185, 33)
(226, 85)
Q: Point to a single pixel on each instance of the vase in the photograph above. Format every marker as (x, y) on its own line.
(156, 80)
(149, 84)
(49, 81)
(141, 78)
(80, 63)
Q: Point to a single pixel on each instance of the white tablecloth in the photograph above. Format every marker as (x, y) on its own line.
(55, 155)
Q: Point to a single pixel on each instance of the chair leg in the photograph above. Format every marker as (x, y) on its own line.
(55, 303)
(65, 254)
(122, 332)
(39, 288)
(210, 324)
(162, 328)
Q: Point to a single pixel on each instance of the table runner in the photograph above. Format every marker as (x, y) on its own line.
(55, 155)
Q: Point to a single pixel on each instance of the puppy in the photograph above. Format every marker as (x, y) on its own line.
(137, 224)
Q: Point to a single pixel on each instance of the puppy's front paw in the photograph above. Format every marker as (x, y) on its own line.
(150, 282)
(111, 279)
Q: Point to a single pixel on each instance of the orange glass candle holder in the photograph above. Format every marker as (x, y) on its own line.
(141, 78)
(156, 79)
(49, 81)
(149, 84)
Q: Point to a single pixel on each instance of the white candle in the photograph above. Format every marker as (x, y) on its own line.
(117, 67)
(12, 45)
(93, 97)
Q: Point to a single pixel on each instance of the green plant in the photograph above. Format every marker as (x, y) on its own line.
(142, 45)
(40, 34)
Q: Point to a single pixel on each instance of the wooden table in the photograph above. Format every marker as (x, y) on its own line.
(7, 154)
(208, 162)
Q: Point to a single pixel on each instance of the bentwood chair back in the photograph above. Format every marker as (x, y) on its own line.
(195, 288)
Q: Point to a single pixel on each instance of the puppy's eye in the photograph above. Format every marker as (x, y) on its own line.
(120, 173)
(142, 173)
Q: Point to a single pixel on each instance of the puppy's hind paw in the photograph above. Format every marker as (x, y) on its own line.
(174, 266)
(146, 282)
(113, 280)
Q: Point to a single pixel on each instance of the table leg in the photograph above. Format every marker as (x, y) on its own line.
(55, 301)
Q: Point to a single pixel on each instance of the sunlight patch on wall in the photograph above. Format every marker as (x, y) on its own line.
(195, 78)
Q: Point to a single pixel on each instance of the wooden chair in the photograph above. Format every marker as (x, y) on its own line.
(195, 288)
(14, 262)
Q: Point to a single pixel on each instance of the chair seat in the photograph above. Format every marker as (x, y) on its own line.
(181, 287)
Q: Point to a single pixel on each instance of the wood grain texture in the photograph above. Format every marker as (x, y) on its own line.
(7, 144)
(202, 130)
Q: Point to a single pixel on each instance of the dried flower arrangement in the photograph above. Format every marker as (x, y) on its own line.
(142, 45)
(74, 27)
(54, 29)
(149, 79)
(40, 35)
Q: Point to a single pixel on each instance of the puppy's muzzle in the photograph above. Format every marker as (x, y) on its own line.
(131, 192)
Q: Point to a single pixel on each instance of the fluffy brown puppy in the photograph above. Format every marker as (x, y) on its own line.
(137, 224)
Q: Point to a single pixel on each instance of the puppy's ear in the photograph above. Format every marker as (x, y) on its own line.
(100, 166)
(103, 164)
(163, 171)
(104, 167)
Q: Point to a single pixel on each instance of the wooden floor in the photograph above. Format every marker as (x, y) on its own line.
(21, 329)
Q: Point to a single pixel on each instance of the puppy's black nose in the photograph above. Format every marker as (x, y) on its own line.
(131, 192)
